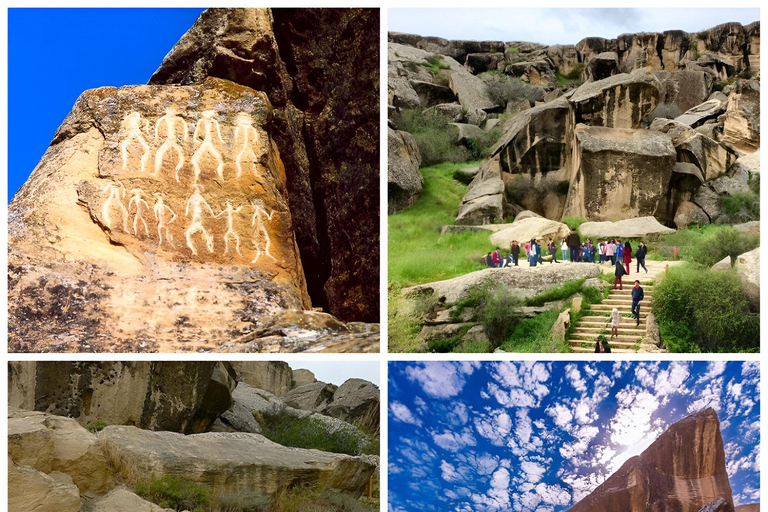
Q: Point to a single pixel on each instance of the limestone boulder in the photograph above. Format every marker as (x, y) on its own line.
(29, 489)
(230, 462)
(718, 505)
(564, 57)
(562, 324)
(477, 117)
(737, 180)
(748, 268)
(237, 418)
(466, 174)
(49, 444)
(472, 92)
(619, 101)
(431, 94)
(310, 397)
(161, 395)
(477, 63)
(540, 73)
(461, 133)
(709, 201)
(711, 157)
(619, 173)
(173, 238)
(320, 97)
(724, 264)
(302, 377)
(484, 200)
(742, 116)
(453, 110)
(402, 94)
(699, 114)
(603, 65)
(689, 213)
(683, 90)
(404, 181)
(123, 500)
(525, 229)
(523, 281)
(684, 469)
(751, 228)
(640, 227)
(357, 402)
(272, 376)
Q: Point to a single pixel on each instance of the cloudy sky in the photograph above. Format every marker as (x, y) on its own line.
(498, 436)
(557, 25)
(338, 372)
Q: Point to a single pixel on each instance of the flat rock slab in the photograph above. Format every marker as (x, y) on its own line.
(531, 227)
(230, 462)
(628, 228)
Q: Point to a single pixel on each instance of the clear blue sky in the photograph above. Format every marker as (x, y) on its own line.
(56, 54)
(493, 437)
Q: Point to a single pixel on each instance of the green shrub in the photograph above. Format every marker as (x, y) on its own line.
(699, 310)
(742, 206)
(535, 335)
(170, 491)
(310, 432)
(512, 49)
(306, 499)
(500, 314)
(746, 74)
(563, 291)
(245, 500)
(432, 135)
(481, 147)
(96, 426)
(435, 63)
(573, 222)
(724, 242)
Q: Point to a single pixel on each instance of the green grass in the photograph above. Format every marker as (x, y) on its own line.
(310, 432)
(563, 291)
(435, 63)
(705, 245)
(535, 335)
(417, 252)
(573, 222)
(96, 426)
(170, 491)
(512, 49)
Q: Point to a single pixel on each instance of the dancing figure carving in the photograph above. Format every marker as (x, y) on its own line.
(250, 136)
(261, 233)
(115, 200)
(230, 211)
(161, 215)
(171, 119)
(138, 201)
(206, 124)
(197, 202)
(132, 123)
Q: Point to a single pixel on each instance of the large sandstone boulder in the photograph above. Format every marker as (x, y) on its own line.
(742, 117)
(320, 71)
(302, 376)
(682, 90)
(748, 268)
(711, 157)
(31, 490)
(123, 500)
(178, 231)
(525, 229)
(272, 376)
(472, 92)
(619, 173)
(619, 101)
(484, 200)
(640, 227)
(404, 181)
(683, 470)
(523, 281)
(231, 462)
(357, 402)
(160, 395)
(699, 114)
(689, 213)
(603, 65)
(310, 397)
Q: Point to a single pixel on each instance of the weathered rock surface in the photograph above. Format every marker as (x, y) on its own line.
(723, 264)
(684, 470)
(217, 255)
(689, 213)
(619, 173)
(31, 490)
(742, 117)
(629, 228)
(160, 395)
(310, 397)
(231, 461)
(752, 507)
(302, 376)
(523, 281)
(357, 402)
(483, 201)
(272, 376)
(748, 268)
(404, 181)
(525, 229)
(471, 92)
(123, 500)
(752, 227)
(319, 68)
(697, 115)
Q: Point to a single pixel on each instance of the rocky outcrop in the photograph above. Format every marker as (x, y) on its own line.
(683, 470)
(484, 199)
(302, 377)
(234, 461)
(404, 181)
(123, 500)
(319, 69)
(272, 376)
(357, 402)
(160, 395)
(619, 173)
(310, 397)
(526, 229)
(30, 489)
(689, 213)
(748, 268)
(741, 127)
(629, 228)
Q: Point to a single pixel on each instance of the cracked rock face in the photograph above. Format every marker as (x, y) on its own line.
(158, 219)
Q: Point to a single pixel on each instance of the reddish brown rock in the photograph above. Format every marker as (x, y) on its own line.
(682, 471)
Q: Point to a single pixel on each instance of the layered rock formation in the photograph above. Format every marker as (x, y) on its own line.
(186, 217)
(683, 470)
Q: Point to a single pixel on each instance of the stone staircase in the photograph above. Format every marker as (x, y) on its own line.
(590, 326)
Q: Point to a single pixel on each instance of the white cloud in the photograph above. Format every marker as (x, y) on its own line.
(448, 472)
(454, 441)
(561, 415)
(709, 397)
(714, 369)
(553, 494)
(401, 413)
(670, 381)
(632, 421)
(574, 376)
(533, 471)
(442, 379)
(495, 426)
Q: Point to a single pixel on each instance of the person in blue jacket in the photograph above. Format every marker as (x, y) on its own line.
(637, 296)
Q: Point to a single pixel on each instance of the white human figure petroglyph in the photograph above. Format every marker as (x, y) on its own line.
(115, 199)
(161, 211)
(245, 127)
(170, 119)
(261, 229)
(197, 202)
(207, 123)
(133, 125)
(230, 230)
(138, 201)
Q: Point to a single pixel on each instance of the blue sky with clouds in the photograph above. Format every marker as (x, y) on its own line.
(536, 436)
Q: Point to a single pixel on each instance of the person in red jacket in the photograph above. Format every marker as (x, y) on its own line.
(627, 255)
(496, 258)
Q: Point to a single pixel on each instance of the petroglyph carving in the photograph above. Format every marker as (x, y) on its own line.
(161, 215)
(250, 136)
(132, 124)
(115, 201)
(197, 202)
(261, 234)
(138, 201)
(171, 119)
(206, 124)
(230, 211)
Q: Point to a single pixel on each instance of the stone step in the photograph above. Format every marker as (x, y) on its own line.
(613, 343)
(596, 330)
(604, 325)
(613, 351)
(625, 300)
(628, 291)
(591, 337)
(622, 309)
